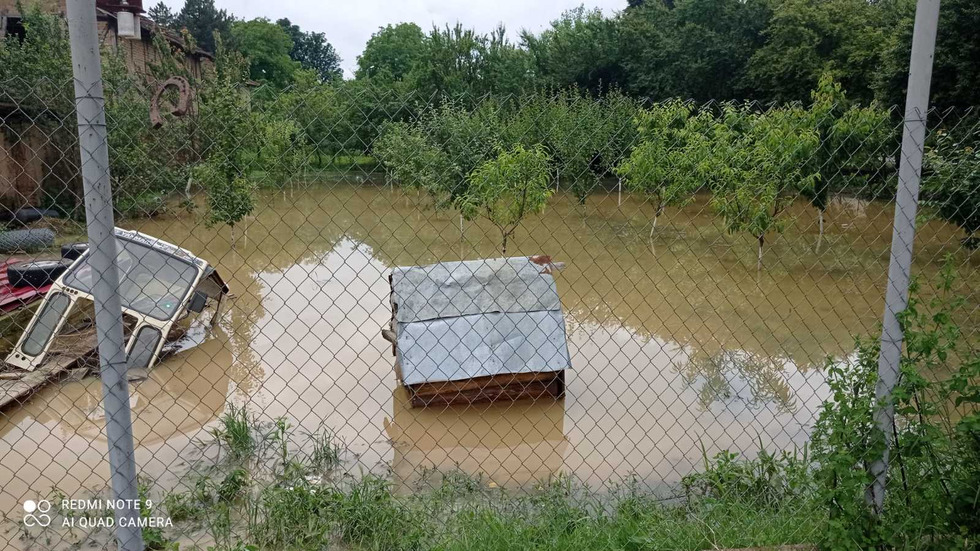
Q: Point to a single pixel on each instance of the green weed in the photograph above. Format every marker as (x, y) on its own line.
(238, 433)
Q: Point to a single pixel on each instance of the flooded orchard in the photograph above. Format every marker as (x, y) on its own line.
(678, 345)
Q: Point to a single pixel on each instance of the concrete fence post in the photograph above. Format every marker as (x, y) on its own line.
(903, 233)
(94, 159)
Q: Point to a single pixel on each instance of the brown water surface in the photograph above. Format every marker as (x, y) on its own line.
(677, 343)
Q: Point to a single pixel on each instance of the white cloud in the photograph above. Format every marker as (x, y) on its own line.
(349, 25)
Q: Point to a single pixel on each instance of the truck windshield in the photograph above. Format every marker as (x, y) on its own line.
(151, 282)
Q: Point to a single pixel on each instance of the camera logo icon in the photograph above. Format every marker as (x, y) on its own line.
(36, 513)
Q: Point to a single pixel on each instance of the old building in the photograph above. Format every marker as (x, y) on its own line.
(29, 155)
(138, 52)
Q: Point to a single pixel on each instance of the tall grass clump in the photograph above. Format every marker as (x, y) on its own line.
(237, 432)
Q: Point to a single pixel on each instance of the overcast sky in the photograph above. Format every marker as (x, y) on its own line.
(349, 24)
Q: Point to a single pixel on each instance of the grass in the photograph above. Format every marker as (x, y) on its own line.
(237, 433)
(266, 495)
(325, 454)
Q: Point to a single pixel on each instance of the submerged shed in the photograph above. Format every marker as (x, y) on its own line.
(478, 331)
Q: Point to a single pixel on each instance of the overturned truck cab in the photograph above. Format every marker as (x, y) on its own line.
(159, 284)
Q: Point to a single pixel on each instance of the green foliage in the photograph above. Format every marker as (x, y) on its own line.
(580, 48)
(153, 537)
(931, 498)
(664, 165)
(318, 112)
(756, 166)
(440, 151)
(704, 50)
(325, 454)
(162, 15)
(764, 501)
(145, 163)
(227, 125)
(181, 507)
(952, 182)
(285, 150)
(267, 47)
(313, 51)
(572, 121)
(806, 39)
(507, 189)
(854, 141)
(464, 65)
(203, 21)
(237, 433)
(696, 50)
(392, 52)
(955, 73)
(769, 481)
(415, 162)
(36, 70)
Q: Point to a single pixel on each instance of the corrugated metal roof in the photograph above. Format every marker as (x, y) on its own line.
(472, 287)
(459, 320)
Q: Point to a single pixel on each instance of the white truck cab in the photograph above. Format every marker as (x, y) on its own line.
(159, 284)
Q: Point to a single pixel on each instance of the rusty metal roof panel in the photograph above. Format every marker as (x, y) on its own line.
(460, 320)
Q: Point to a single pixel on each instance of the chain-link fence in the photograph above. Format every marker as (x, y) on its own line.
(363, 318)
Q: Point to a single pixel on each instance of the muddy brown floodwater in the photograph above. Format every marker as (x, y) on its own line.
(677, 343)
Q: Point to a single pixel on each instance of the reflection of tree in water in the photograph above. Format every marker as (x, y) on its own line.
(244, 310)
(739, 376)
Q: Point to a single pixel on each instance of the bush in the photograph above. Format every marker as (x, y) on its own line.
(931, 499)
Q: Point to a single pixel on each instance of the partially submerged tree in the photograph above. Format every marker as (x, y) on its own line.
(415, 162)
(439, 152)
(507, 189)
(853, 143)
(663, 166)
(284, 151)
(228, 126)
(758, 164)
(229, 197)
(573, 140)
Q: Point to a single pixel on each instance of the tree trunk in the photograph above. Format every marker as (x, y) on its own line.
(820, 235)
(187, 188)
(232, 226)
(762, 242)
(503, 248)
(660, 210)
(619, 192)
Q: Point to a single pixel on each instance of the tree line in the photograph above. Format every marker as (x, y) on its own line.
(701, 50)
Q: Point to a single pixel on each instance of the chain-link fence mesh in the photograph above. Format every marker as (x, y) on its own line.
(684, 290)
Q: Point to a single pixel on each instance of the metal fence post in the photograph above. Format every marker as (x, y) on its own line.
(94, 151)
(903, 232)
